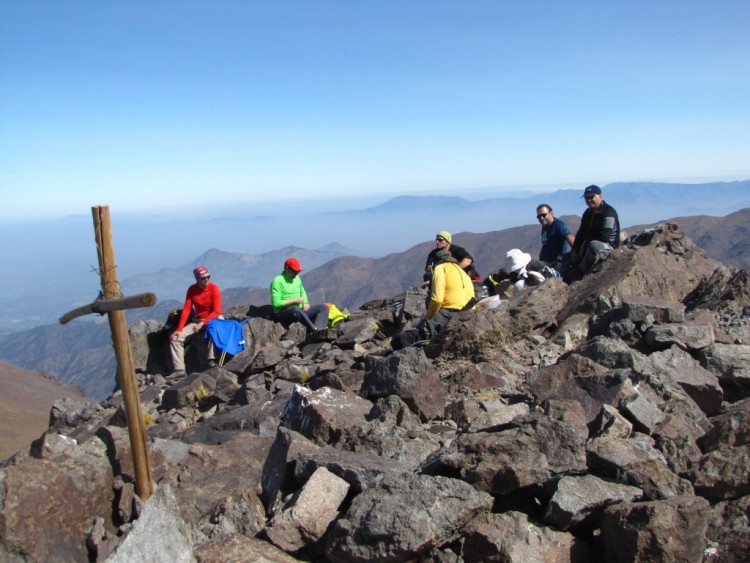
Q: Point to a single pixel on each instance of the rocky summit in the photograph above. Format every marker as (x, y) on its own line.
(608, 420)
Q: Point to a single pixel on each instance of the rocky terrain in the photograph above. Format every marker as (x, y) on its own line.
(603, 421)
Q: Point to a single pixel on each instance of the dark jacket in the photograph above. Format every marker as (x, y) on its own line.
(602, 225)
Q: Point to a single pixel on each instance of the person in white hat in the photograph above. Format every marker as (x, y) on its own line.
(516, 262)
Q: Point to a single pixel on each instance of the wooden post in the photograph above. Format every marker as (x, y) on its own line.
(121, 342)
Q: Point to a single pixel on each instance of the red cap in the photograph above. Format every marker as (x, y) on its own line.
(200, 271)
(293, 265)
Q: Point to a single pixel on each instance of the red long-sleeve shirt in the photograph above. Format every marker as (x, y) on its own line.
(207, 304)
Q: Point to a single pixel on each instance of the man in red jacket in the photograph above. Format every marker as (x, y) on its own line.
(204, 301)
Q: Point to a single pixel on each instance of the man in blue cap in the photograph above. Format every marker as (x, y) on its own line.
(599, 233)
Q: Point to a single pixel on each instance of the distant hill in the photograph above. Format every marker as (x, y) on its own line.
(25, 405)
(230, 269)
(81, 352)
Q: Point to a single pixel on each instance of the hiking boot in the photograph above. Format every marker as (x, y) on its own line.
(211, 364)
(176, 374)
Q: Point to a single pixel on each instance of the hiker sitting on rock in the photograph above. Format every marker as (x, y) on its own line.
(451, 291)
(289, 299)
(599, 233)
(462, 257)
(203, 300)
(556, 239)
(519, 272)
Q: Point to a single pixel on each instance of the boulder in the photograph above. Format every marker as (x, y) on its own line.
(688, 336)
(723, 473)
(159, 529)
(580, 501)
(729, 530)
(216, 487)
(240, 549)
(673, 529)
(402, 517)
(636, 462)
(49, 505)
(651, 310)
(323, 416)
(513, 537)
(308, 515)
(530, 451)
(409, 375)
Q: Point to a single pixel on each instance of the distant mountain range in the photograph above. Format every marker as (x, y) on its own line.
(80, 352)
(50, 267)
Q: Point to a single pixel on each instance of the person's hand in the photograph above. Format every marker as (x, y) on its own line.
(306, 306)
(173, 336)
(197, 327)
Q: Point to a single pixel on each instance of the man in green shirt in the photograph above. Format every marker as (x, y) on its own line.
(289, 299)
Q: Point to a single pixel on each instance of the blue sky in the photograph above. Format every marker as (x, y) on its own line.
(150, 106)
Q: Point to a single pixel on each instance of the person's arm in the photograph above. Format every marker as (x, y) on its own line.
(186, 309)
(438, 292)
(609, 230)
(571, 240)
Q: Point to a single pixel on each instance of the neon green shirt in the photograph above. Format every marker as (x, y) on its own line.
(284, 288)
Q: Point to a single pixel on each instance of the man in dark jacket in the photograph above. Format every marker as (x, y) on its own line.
(599, 233)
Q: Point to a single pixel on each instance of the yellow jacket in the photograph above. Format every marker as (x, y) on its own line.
(452, 288)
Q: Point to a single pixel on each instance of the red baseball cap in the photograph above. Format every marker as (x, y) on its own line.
(201, 271)
(293, 265)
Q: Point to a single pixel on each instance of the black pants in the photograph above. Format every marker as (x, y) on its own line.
(315, 318)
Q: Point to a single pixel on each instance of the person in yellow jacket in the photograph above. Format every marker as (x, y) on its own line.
(451, 291)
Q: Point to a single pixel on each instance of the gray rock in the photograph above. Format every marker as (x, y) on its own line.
(723, 473)
(409, 375)
(325, 414)
(666, 530)
(532, 451)
(570, 413)
(277, 479)
(403, 517)
(729, 530)
(644, 415)
(611, 424)
(511, 537)
(581, 500)
(192, 389)
(216, 487)
(640, 308)
(48, 506)
(356, 332)
(360, 471)
(636, 463)
(307, 516)
(700, 385)
(688, 336)
(159, 534)
(240, 549)
(731, 428)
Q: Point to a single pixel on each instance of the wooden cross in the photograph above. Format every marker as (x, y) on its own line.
(114, 304)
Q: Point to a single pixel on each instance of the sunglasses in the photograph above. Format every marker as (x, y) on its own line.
(204, 278)
(589, 197)
(439, 239)
(541, 215)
